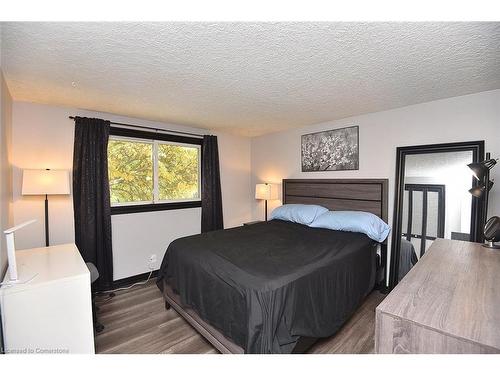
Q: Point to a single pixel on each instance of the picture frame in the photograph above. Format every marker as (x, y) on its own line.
(330, 150)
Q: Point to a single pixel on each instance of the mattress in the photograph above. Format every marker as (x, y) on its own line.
(265, 285)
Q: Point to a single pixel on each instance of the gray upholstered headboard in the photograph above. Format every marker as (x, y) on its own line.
(370, 195)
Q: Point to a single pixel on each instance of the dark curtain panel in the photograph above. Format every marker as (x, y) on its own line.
(91, 201)
(211, 196)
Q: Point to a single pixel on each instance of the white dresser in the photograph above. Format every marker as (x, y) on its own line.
(52, 313)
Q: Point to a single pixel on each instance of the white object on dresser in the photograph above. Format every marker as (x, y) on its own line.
(448, 303)
(11, 249)
(52, 312)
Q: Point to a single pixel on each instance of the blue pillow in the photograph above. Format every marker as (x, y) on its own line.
(354, 221)
(298, 213)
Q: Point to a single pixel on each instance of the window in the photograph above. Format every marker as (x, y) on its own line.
(178, 172)
(130, 170)
(149, 171)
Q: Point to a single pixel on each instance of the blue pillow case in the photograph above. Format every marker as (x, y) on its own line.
(298, 213)
(354, 221)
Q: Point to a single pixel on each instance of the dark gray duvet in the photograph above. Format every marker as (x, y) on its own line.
(265, 285)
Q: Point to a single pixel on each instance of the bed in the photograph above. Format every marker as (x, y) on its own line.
(277, 286)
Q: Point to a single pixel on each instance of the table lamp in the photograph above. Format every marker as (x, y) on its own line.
(45, 182)
(266, 192)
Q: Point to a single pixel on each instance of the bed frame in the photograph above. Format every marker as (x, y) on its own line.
(369, 195)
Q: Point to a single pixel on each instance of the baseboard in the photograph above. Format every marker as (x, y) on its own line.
(133, 279)
(127, 281)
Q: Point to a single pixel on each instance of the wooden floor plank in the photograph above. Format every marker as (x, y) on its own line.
(357, 335)
(136, 321)
(196, 344)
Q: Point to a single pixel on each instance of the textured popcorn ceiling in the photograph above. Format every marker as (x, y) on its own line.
(248, 78)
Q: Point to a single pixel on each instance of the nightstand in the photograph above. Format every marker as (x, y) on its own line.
(252, 222)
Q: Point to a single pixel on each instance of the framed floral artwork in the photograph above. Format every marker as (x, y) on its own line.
(331, 150)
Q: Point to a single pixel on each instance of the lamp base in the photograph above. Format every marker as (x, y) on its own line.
(491, 245)
(265, 208)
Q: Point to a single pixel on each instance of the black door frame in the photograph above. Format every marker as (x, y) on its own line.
(425, 188)
(477, 148)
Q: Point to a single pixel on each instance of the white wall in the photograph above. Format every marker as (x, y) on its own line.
(466, 118)
(138, 236)
(5, 170)
(234, 156)
(43, 138)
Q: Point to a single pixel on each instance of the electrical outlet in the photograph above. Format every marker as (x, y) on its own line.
(152, 261)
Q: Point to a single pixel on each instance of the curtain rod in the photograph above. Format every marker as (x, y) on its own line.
(148, 128)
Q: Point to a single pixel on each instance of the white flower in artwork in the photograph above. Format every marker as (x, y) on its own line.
(331, 150)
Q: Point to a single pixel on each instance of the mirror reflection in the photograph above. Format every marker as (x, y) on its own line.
(436, 202)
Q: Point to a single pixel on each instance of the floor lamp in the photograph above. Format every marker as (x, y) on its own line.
(481, 171)
(45, 182)
(266, 192)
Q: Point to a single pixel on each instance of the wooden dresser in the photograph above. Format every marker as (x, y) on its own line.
(448, 303)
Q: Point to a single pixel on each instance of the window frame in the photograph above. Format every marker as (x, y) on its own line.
(156, 176)
(156, 138)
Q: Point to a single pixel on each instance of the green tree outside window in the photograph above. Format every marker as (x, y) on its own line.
(131, 170)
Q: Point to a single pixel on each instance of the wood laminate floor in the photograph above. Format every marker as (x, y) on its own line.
(136, 322)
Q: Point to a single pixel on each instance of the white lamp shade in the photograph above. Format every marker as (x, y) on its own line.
(45, 181)
(266, 191)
